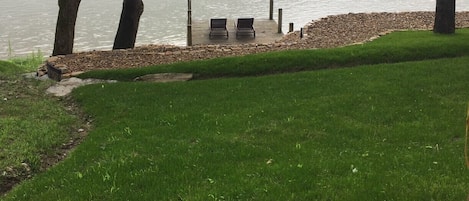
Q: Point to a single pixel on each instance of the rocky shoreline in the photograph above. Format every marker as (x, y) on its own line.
(332, 31)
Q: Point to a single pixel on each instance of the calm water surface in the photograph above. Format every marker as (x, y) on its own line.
(29, 25)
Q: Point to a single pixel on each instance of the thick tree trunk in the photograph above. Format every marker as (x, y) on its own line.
(128, 25)
(445, 17)
(65, 28)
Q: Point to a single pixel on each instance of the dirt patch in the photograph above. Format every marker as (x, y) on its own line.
(6, 184)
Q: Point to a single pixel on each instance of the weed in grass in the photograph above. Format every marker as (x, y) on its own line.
(29, 63)
(79, 175)
(467, 139)
(10, 49)
(127, 131)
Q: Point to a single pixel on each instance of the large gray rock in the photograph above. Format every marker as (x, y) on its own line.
(165, 77)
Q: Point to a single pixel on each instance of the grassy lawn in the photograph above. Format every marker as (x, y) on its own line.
(373, 132)
(379, 132)
(32, 124)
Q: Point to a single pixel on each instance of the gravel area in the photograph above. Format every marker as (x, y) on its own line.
(332, 31)
(340, 30)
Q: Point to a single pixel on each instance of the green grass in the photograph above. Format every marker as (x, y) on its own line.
(15, 65)
(9, 68)
(379, 132)
(32, 124)
(392, 48)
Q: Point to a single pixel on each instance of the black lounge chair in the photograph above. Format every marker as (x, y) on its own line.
(245, 25)
(218, 27)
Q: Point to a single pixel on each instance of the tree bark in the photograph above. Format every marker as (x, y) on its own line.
(65, 28)
(445, 17)
(128, 25)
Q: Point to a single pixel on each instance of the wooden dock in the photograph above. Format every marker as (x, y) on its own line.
(266, 32)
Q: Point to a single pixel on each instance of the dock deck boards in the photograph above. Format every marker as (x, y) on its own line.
(266, 32)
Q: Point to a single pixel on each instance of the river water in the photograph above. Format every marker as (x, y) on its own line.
(27, 26)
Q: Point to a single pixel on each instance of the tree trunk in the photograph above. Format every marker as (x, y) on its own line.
(445, 17)
(65, 28)
(128, 25)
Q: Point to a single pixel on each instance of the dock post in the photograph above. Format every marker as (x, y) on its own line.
(280, 16)
(271, 12)
(291, 27)
(189, 23)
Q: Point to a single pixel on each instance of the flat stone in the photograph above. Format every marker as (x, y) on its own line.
(65, 86)
(165, 77)
(74, 74)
